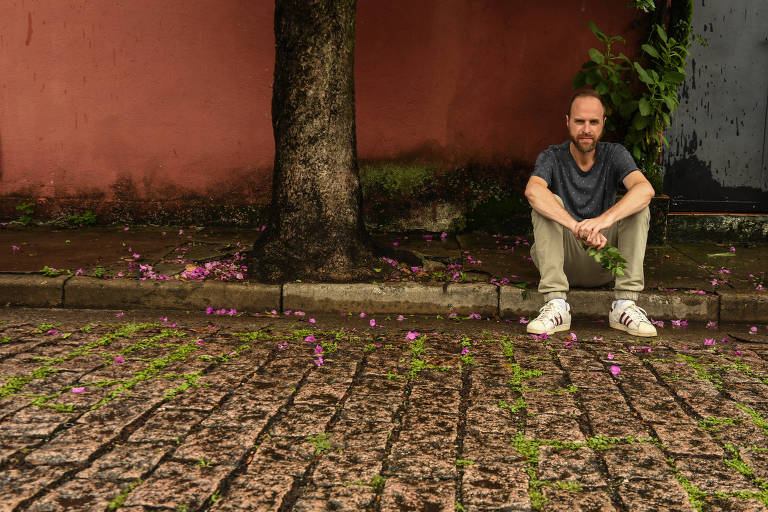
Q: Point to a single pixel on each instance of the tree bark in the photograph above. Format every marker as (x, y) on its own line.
(316, 227)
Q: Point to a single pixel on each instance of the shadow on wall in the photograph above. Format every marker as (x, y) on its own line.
(408, 194)
(691, 178)
(239, 199)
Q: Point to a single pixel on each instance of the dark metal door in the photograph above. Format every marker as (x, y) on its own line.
(717, 157)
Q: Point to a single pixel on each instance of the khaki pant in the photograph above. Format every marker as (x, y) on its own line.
(562, 261)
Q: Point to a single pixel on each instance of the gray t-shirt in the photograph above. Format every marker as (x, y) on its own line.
(585, 194)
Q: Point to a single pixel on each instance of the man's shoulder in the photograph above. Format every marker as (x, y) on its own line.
(556, 150)
(611, 148)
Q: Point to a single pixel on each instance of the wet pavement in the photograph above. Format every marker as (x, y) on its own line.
(120, 251)
(151, 410)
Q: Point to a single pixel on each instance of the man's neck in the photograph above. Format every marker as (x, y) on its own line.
(583, 160)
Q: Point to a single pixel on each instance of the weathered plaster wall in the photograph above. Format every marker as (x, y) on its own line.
(147, 100)
(473, 79)
(139, 93)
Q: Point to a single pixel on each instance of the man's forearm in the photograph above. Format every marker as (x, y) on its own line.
(636, 198)
(543, 201)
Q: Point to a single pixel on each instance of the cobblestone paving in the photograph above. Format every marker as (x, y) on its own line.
(155, 416)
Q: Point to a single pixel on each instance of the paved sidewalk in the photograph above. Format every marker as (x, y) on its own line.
(479, 273)
(191, 412)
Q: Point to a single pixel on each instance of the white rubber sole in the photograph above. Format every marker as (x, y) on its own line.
(626, 329)
(559, 328)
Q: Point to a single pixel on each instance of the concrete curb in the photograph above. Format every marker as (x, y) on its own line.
(407, 298)
(392, 298)
(597, 304)
(31, 290)
(88, 292)
(743, 307)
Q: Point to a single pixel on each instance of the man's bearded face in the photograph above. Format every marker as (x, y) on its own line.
(586, 123)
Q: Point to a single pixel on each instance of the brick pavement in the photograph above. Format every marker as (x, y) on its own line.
(225, 418)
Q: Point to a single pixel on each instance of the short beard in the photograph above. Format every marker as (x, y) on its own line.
(587, 149)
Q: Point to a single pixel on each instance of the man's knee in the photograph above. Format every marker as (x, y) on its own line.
(643, 217)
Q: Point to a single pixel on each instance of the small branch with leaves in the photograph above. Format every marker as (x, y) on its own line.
(608, 257)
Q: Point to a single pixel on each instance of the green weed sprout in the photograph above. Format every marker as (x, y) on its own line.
(608, 257)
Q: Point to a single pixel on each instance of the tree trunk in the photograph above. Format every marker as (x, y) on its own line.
(316, 228)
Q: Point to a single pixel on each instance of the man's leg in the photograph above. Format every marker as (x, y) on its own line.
(631, 235)
(548, 254)
(581, 268)
(631, 241)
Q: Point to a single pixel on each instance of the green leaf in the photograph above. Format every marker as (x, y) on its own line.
(593, 77)
(642, 74)
(602, 88)
(596, 56)
(662, 34)
(639, 122)
(644, 106)
(627, 108)
(671, 103)
(596, 31)
(650, 50)
(579, 80)
(674, 77)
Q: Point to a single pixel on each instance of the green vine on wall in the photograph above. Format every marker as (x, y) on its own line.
(641, 96)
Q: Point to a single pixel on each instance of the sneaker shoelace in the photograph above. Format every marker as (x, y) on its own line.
(550, 308)
(637, 314)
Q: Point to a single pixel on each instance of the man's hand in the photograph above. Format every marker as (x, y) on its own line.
(589, 231)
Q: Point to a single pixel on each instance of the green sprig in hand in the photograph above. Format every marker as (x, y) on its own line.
(608, 257)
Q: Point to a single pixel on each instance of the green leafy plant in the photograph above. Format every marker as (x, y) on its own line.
(203, 463)
(377, 481)
(609, 258)
(644, 5)
(86, 219)
(53, 272)
(320, 442)
(639, 97)
(26, 210)
(100, 272)
(119, 500)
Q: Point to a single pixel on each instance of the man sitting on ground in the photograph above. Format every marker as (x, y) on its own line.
(573, 195)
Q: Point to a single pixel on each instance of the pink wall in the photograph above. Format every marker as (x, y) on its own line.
(472, 79)
(171, 92)
(175, 95)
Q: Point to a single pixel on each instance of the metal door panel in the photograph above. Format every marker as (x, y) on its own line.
(716, 159)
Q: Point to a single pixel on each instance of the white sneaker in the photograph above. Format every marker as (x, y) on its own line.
(632, 319)
(552, 318)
